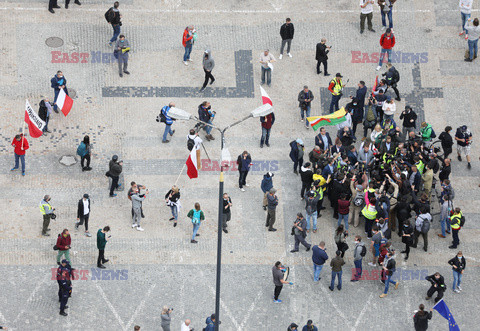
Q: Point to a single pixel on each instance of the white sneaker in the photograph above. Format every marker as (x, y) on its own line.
(190, 60)
(289, 54)
(185, 63)
(383, 27)
(459, 288)
(134, 225)
(280, 56)
(371, 264)
(246, 185)
(242, 189)
(456, 291)
(378, 68)
(139, 228)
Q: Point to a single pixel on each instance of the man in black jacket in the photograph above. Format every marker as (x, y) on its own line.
(438, 285)
(44, 112)
(458, 264)
(83, 213)
(306, 174)
(244, 162)
(114, 171)
(286, 32)
(446, 141)
(113, 17)
(321, 56)
(409, 118)
(305, 98)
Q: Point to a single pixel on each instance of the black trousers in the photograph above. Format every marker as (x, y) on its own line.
(114, 184)
(84, 218)
(64, 294)
(242, 179)
(432, 291)
(319, 206)
(277, 291)
(208, 75)
(324, 66)
(101, 257)
(380, 114)
(51, 4)
(395, 89)
(82, 161)
(305, 186)
(415, 239)
(407, 249)
(456, 240)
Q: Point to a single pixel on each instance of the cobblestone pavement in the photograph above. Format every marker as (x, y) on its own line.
(158, 267)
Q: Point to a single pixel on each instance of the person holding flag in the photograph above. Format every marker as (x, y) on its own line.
(59, 82)
(20, 143)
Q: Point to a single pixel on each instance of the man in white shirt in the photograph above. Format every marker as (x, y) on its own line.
(186, 326)
(366, 8)
(193, 143)
(266, 59)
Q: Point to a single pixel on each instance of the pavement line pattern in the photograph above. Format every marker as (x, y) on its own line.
(109, 304)
(360, 316)
(30, 298)
(140, 307)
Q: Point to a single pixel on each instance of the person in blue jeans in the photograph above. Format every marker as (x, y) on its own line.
(386, 7)
(473, 35)
(458, 264)
(343, 210)
(319, 257)
(305, 98)
(168, 122)
(58, 82)
(389, 267)
(187, 42)
(336, 264)
(357, 258)
(197, 216)
(113, 17)
(466, 12)
(445, 216)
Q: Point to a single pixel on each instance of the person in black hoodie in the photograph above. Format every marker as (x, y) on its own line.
(356, 111)
(403, 213)
(296, 154)
(306, 174)
(409, 118)
(286, 32)
(244, 162)
(407, 238)
(458, 264)
(438, 285)
(114, 171)
(421, 317)
(44, 112)
(321, 56)
(446, 141)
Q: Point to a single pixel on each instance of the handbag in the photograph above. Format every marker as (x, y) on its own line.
(55, 248)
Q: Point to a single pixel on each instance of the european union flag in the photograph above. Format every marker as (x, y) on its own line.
(443, 310)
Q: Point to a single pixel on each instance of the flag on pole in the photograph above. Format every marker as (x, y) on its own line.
(265, 97)
(192, 166)
(64, 102)
(443, 310)
(35, 123)
(375, 85)
(332, 119)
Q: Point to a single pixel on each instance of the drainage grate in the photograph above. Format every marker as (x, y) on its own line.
(54, 42)
(72, 93)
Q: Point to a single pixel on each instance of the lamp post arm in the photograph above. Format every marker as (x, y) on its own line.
(237, 122)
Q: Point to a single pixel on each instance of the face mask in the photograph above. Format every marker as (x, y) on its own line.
(122, 41)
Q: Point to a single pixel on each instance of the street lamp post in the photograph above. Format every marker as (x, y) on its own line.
(180, 114)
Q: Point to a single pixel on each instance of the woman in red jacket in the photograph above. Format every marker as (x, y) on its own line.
(187, 42)
(20, 148)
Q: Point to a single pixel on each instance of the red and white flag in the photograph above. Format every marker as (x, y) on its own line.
(35, 123)
(192, 170)
(265, 98)
(64, 102)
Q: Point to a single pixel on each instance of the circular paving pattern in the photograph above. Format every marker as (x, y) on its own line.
(72, 93)
(54, 42)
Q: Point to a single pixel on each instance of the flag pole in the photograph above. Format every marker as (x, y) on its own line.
(181, 171)
(23, 130)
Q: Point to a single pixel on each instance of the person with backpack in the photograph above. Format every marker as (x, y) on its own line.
(427, 133)
(113, 17)
(210, 321)
(409, 118)
(387, 41)
(437, 285)
(456, 222)
(197, 216)
(359, 252)
(64, 242)
(266, 124)
(84, 150)
(392, 76)
(389, 267)
(188, 39)
(463, 136)
(446, 141)
(422, 226)
(164, 118)
(421, 317)
(172, 199)
(458, 264)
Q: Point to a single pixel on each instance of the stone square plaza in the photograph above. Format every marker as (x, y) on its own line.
(163, 266)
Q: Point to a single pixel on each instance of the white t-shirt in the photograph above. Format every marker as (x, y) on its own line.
(185, 327)
(197, 140)
(368, 8)
(86, 210)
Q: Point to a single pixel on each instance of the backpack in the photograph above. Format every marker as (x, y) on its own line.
(190, 143)
(462, 221)
(396, 75)
(82, 149)
(359, 200)
(108, 15)
(196, 216)
(161, 118)
(433, 134)
(364, 251)
(425, 225)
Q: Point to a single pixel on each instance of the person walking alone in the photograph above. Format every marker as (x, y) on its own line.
(321, 56)
(421, 317)
(208, 65)
(64, 242)
(172, 199)
(366, 13)
(244, 162)
(272, 202)
(267, 123)
(83, 213)
(387, 41)
(197, 216)
(47, 211)
(458, 264)
(358, 253)
(115, 168)
(319, 257)
(166, 318)
(336, 264)
(286, 32)
(305, 98)
(122, 48)
(20, 144)
(114, 17)
(389, 267)
(473, 35)
(168, 122)
(187, 41)
(299, 231)
(266, 60)
(266, 186)
(102, 240)
(84, 150)
(466, 12)
(227, 213)
(456, 224)
(137, 200)
(278, 281)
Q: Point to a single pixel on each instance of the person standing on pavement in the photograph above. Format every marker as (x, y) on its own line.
(115, 168)
(446, 141)
(187, 42)
(458, 264)
(387, 42)
(65, 291)
(84, 150)
(122, 47)
(389, 267)
(306, 175)
(386, 8)
(197, 216)
(305, 98)
(67, 2)
(296, 154)
(286, 32)
(102, 240)
(20, 144)
(208, 65)
(168, 122)
(392, 77)
(272, 203)
(166, 319)
(463, 136)
(172, 199)
(422, 226)
(473, 35)
(278, 281)
(336, 87)
(194, 142)
(44, 112)
(322, 57)
(309, 326)
(421, 317)
(58, 82)
(52, 4)
(244, 162)
(83, 213)
(466, 12)
(299, 231)
(266, 186)
(336, 264)
(409, 118)
(437, 285)
(137, 200)
(206, 115)
(64, 242)
(266, 60)
(227, 213)
(311, 201)
(358, 253)
(186, 325)
(47, 211)
(366, 12)
(456, 224)
(267, 123)
(319, 257)
(114, 17)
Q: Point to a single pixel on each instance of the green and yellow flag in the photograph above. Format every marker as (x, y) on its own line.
(332, 119)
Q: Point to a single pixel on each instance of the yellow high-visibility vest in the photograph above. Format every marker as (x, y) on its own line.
(369, 212)
(42, 208)
(456, 218)
(337, 88)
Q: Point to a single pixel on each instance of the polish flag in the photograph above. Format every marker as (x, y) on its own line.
(192, 167)
(35, 123)
(265, 98)
(64, 102)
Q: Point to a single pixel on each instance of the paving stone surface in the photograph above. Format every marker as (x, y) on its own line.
(160, 266)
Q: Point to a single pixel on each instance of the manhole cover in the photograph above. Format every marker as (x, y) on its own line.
(54, 42)
(428, 30)
(68, 160)
(72, 93)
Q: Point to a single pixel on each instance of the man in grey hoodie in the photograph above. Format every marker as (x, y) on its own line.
(137, 200)
(357, 258)
(208, 65)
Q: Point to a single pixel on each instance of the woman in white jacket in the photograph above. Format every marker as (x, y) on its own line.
(389, 109)
(465, 11)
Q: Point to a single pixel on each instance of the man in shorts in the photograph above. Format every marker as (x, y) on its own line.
(463, 136)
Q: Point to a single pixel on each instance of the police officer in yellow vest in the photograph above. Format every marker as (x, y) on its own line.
(335, 87)
(47, 211)
(455, 222)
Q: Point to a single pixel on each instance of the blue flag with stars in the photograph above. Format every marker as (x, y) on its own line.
(443, 310)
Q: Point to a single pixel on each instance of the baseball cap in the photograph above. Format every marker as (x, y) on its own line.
(338, 75)
(86, 196)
